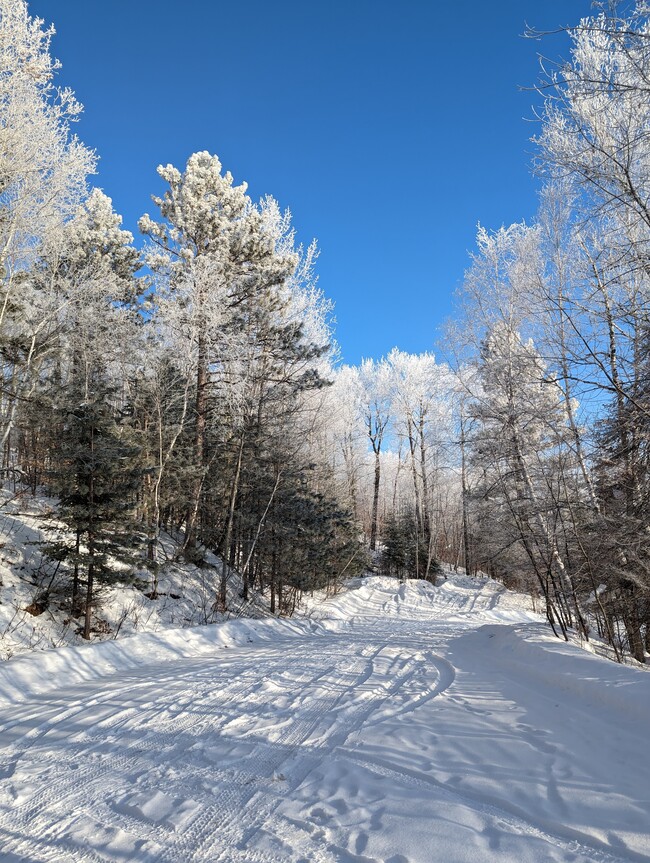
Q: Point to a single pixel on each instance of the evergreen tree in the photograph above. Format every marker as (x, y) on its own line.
(213, 244)
(96, 481)
(405, 553)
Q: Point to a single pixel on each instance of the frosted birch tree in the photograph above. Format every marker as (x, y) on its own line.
(43, 170)
(377, 411)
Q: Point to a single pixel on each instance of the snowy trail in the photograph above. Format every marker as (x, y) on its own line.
(417, 725)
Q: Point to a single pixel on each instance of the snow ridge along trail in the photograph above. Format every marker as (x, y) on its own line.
(401, 724)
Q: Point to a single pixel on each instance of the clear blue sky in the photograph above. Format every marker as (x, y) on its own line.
(388, 128)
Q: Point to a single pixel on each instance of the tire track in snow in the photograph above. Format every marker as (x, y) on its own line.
(85, 785)
(445, 679)
(200, 824)
(354, 717)
(228, 840)
(223, 816)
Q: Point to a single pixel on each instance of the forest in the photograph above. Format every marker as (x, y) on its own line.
(189, 382)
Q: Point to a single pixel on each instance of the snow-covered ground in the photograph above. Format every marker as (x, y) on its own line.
(394, 724)
(185, 593)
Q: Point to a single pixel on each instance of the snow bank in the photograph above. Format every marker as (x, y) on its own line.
(544, 663)
(185, 592)
(25, 676)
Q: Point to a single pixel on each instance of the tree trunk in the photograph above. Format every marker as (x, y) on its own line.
(75, 575)
(225, 548)
(89, 598)
(375, 503)
(190, 543)
(465, 501)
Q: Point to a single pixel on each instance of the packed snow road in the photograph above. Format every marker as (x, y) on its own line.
(410, 724)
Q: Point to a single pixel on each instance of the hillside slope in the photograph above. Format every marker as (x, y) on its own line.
(35, 592)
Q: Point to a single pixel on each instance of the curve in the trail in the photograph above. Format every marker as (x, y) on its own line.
(394, 735)
(91, 752)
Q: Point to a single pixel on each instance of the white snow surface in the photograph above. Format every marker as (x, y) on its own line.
(395, 724)
(186, 593)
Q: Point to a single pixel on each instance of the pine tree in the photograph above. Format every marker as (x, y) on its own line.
(96, 480)
(212, 244)
(405, 551)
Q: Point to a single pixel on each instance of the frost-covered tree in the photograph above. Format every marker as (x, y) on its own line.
(43, 167)
(213, 242)
(517, 447)
(519, 464)
(596, 120)
(238, 298)
(83, 394)
(594, 142)
(347, 435)
(421, 409)
(376, 406)
(43, 170)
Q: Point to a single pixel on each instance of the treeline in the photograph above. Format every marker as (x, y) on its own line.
(186, 398)
(392, 442)
(193, 387)
(552, 343)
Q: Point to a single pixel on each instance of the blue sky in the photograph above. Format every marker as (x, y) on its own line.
(389, 129)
